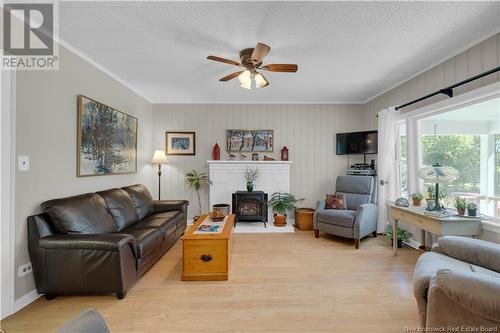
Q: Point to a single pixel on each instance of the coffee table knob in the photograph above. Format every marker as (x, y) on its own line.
(206, 257)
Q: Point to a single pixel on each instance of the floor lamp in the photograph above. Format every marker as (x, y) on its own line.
(159, 158)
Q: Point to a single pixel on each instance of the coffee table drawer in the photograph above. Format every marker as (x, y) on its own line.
(205, 256)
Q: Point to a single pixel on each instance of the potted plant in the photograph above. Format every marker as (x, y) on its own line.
(402, 235)
(460, 204)
(196, 180)
(417, 198)
(281, 203)
(251, 175)
(471, 209)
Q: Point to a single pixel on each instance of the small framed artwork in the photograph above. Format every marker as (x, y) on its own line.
(180, 143)
(255, 157)
(250, 140)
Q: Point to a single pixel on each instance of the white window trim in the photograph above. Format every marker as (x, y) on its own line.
(413, 133)
(7, 181)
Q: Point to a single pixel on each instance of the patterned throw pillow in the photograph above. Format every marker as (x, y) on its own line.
(335, 201)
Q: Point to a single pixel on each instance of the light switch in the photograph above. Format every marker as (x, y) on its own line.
(23, 163)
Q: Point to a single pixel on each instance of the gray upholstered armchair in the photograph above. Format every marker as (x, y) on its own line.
(360, 217)
(458, 284)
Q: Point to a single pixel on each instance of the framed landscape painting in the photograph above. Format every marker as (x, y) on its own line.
(250, 140)
(180, 143)
(107, 140)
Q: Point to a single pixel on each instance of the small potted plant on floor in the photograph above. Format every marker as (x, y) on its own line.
(196, 180)
(417, 199)
(251, 175)
(460, 204)
(282, 203)
(402, 235)
(471, 209)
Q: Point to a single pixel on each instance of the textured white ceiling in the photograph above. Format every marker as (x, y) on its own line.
(346, 51)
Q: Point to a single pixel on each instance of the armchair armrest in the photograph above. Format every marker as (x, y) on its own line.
(167, 205)
(473, 251)
(477, 293)
(106, 242)
(320, 206)
(366, 220)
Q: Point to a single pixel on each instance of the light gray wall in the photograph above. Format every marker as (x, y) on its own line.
(475, 60)
(307, 130)
(46, 119)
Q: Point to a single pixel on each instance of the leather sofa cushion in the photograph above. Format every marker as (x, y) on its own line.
(81, 214)
(147, 240)
(121, 207)
(166, 225)
(177, 215)
(143, 201)
(340, 217)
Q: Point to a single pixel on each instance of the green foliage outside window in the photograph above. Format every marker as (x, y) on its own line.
(459, 151)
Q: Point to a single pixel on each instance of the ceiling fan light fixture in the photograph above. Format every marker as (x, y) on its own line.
(260, 81)
(245, 79)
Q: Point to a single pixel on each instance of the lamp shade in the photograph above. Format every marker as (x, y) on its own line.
(438, 174)
(159, 157)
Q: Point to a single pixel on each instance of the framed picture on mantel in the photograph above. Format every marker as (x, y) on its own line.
(180, 143)
(250, 140)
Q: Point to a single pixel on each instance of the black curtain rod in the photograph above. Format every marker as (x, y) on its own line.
(448, 91)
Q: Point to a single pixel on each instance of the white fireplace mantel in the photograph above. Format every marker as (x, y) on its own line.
(247, 162)
(228, 177)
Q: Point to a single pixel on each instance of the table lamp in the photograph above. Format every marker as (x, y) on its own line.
(438, 174)
(159, 158)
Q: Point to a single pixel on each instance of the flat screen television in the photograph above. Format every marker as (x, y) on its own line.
(357, 143)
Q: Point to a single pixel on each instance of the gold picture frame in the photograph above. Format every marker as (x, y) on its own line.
(180, 143)
(118, 154)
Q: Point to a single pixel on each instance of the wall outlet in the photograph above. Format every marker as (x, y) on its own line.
(24, 270)
(23, 163)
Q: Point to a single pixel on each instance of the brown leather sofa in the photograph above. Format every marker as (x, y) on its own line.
(101, 242)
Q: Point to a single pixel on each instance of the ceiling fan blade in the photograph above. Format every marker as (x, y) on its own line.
(226, 61)
(230, 76)
(259, 52)
(288, 68)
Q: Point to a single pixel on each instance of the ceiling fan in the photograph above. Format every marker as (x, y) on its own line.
(251, 61)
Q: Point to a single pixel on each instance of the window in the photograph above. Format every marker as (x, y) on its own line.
(403, 161)
(467, 139)
(460, 151)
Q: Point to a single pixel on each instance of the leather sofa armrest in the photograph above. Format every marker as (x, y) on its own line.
(167, 205)
(106, 242)
(477, 293)
(473, 251)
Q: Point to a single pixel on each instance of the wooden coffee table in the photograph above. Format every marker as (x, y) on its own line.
(206, 257)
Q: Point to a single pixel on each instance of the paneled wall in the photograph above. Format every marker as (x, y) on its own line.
(308, 130)
(473, 61)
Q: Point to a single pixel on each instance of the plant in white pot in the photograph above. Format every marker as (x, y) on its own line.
(282, 203)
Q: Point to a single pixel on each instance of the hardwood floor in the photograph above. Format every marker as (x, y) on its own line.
(277, 283)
